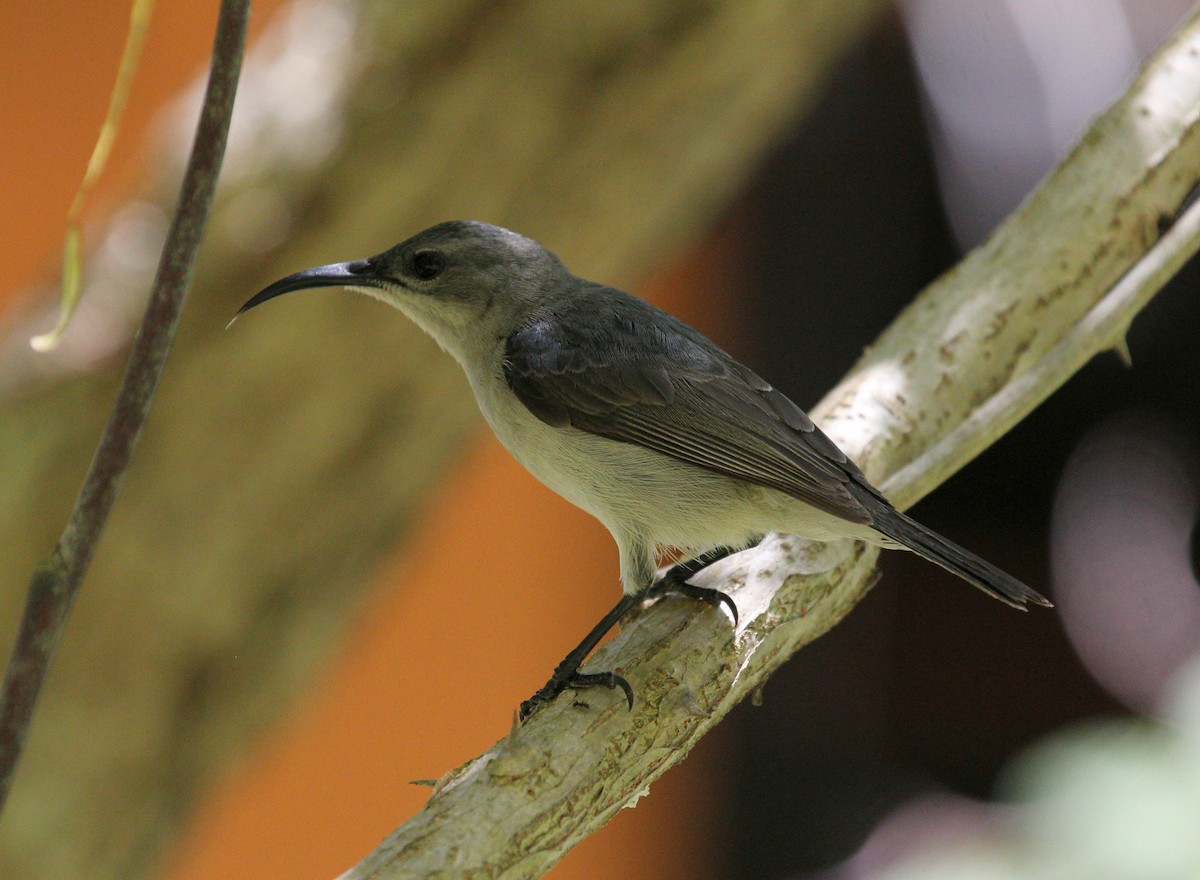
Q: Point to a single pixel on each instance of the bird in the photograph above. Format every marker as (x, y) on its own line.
(633, 416)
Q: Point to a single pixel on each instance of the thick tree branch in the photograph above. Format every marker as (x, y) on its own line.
(56, 581)
(1059, 282)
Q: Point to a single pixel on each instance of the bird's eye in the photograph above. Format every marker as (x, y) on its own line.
(427, 265)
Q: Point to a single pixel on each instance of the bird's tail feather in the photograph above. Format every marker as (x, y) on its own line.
(932, 546)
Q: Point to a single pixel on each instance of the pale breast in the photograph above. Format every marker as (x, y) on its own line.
(631, 489)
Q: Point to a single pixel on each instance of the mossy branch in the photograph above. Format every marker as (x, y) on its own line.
(1059, 282)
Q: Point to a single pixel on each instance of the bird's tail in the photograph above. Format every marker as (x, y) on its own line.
(932, 546)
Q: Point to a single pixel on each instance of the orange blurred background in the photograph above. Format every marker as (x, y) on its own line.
(399, 703)
(842, 224)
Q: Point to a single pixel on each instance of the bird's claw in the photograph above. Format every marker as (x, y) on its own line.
(712, 597)
(575, 681)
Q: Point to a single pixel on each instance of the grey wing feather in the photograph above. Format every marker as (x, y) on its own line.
(629, 372)
(615, 373)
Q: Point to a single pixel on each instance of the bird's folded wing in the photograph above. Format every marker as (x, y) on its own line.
(635, 374)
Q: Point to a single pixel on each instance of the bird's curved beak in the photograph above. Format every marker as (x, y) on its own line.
(357, 273)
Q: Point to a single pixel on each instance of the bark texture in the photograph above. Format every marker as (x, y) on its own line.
(278, 466)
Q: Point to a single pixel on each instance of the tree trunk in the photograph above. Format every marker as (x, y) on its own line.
(279, 465)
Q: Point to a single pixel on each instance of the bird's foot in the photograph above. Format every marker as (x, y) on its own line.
(563, 680)
(674, 582)
(567, 675)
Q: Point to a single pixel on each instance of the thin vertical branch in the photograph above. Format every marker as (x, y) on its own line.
(139, 23)
(56, 580)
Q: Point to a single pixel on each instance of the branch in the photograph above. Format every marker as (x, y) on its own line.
(1060, 281)
(56, 580)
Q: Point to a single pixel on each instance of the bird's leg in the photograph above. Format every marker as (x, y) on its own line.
(676, 581)
(567, 674)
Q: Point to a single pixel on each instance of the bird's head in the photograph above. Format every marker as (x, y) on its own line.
(460, 281)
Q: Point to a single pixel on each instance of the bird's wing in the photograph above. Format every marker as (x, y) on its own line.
(627, 371)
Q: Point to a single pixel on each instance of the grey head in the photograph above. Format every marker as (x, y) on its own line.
(459, 280)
